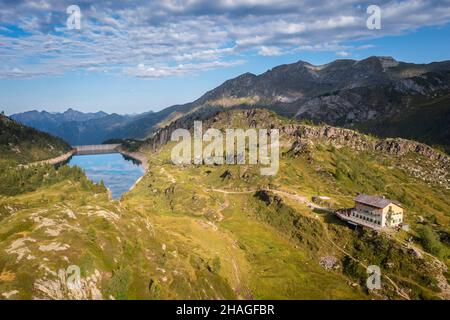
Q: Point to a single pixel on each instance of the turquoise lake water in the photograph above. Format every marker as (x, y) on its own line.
(117, 172)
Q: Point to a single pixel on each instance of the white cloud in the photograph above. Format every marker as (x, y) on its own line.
(154, 72)
(342, 54)
(269, 51)
(196, 34)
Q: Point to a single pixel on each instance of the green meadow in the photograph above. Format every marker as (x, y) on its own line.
(225, 231)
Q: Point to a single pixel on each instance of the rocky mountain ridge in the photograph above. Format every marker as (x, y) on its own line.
(378, 95)
(298, 137)
(291, 82)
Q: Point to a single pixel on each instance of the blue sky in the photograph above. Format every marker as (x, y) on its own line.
(132, 57)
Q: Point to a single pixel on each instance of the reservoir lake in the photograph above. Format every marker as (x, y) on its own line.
(118, 172)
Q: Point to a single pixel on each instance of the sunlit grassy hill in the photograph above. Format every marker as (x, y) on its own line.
(226, 232)
(22, 144)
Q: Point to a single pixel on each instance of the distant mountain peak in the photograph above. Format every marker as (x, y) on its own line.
(247, 75)
(385, 61)
(304, 63)
(74, 111)
(71, 111)
(380, 58)
(59, 123)
(344, 92)
(387, 58)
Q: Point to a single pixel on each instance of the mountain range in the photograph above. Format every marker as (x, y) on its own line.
(225, 231)
(377, 95)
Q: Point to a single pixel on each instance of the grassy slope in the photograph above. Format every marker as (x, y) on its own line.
(186, 232)
(22, 144)
(128, 250)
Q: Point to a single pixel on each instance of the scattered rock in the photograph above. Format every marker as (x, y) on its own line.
(70, 214)
(9, 294)
(390, 265)
(54, 246)
(61, 288)
(17, 247)
(109, 215)
(161, 270)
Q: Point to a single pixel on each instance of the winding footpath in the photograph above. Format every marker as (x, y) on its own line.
(52, 161)
(303, 200)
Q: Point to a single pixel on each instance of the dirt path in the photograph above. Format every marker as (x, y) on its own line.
(231, 192)
(168, 175)
(52, 161)
(296, 197)
(238, 289)
(223, 207)
(442, 280)
(299, 198)
(304, 200)
(397, 289)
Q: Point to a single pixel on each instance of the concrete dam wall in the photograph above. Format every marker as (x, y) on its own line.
(96, 149)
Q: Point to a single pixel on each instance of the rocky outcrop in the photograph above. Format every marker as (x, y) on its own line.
(268, 198)
(337, 136)
(401, 147)
(381, 101)
(301, 136)
(340, 137)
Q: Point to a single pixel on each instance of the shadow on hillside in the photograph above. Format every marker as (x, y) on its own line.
(329, 217)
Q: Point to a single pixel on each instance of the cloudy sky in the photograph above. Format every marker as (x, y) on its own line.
(136, 56)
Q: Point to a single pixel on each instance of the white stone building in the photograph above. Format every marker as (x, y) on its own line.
(374, 212)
